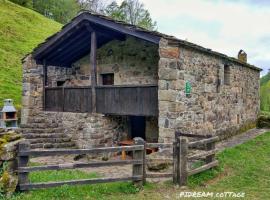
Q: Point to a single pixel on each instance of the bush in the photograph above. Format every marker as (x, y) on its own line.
(263, 120)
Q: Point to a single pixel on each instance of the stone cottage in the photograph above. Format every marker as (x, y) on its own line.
(100, 81)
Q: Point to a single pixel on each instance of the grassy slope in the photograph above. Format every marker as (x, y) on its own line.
(21, 30)
(244, 168)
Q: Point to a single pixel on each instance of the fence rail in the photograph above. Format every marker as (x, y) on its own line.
(180, 157)
(138, 162)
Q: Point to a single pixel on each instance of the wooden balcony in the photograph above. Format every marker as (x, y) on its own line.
(139, 100)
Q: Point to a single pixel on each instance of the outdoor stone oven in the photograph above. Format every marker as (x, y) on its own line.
(99, 81)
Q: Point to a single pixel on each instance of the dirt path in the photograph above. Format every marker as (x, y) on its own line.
(240, 139)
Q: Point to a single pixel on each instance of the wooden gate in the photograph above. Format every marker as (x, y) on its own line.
(180, 159)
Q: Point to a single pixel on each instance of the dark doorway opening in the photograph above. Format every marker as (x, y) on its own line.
(137, 126)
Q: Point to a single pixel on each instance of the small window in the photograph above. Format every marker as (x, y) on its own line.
(107, 79)
(226, 74)
(238, 119)
(60, 83)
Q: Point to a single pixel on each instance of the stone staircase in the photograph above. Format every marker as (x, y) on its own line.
(46, 135)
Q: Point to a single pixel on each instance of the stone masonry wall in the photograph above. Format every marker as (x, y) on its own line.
(9, 141)
(213, 106)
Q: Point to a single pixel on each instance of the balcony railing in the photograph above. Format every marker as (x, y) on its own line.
(139, 100)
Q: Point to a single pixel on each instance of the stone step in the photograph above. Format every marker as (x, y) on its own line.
(40, 125)
(42, 130)
(53, 145)
(44, 135)
(49, 140)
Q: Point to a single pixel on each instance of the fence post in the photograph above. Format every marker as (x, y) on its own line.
(23, 161)
(183, 150)
(176, 145)
(139, 169)
(209, 147)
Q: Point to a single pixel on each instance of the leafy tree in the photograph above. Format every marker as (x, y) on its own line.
(97, 6)
(24, 3)
(59, 10)
(133, 12)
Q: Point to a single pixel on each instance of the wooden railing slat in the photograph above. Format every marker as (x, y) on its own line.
(202, 142)
(203, 154)
(31, 186)
(78, 165)
(203, 168)
(79, 151)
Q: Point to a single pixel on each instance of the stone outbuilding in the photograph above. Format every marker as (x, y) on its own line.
(100, 81)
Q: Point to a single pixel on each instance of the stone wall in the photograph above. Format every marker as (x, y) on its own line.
(213, 107)
(9, 141)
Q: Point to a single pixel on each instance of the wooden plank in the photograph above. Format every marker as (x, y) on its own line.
(79, 151)
(203, 142)
(77, 182)
(44, 83)
(175, 161)
(203, 168)
(159, 145)
(22, 162)
(159, 175)
(93, 63)
(191, 135)
(79, 165)
(138, 169)
(183, 162)
(209, 147)
(202, 155)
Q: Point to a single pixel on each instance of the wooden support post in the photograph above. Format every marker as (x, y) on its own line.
(183, 150)
(176, 161)
(209, 147)
(23, 161)
(45, 82)
(93, 63)
(63, 98)
(139, 169)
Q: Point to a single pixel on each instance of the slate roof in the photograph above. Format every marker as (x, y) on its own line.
(128, 29)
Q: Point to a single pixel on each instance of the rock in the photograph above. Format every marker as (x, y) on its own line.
(160, 160)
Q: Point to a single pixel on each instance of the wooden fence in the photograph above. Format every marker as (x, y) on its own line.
(180, 159)
(138, 172)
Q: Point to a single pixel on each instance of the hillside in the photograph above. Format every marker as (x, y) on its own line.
(265, 93)
(21, 30)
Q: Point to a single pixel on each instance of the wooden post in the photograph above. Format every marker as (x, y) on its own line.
(209, 147)
(63, 98)
(93, 63)
(44, 83)
(175, 161)
(139, 169)
(183, 150)
(22, 162)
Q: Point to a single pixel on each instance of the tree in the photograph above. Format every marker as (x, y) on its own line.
(59, 10)
(131, 11)
(97, 6)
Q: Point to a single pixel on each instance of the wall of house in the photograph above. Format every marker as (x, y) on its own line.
(132, 61)
(212, 108)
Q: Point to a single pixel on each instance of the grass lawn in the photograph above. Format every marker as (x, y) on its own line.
(21, 30)
(245, 168)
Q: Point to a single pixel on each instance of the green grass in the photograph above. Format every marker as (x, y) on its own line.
(21, 30)
(265, 93)
(245, 168)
